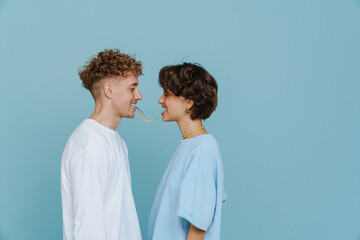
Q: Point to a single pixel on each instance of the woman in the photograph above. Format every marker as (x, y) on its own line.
(189, 199)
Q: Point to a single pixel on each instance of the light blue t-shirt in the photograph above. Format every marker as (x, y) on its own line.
(191, 192)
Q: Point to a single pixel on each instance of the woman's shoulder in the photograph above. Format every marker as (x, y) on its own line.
(200, 140)
(206, 142)
(203, 146)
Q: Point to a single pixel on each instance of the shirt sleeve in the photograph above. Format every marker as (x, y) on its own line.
(197, 198)
(88, 175)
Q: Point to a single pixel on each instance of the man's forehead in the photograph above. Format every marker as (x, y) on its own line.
(129, 79)
(134, 81)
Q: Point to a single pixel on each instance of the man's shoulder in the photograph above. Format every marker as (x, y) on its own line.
(87, 136)
(83, 134)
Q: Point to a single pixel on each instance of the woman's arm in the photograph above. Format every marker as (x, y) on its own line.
(195, 233)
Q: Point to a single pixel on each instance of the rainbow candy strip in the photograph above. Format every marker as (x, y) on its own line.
(143, 115)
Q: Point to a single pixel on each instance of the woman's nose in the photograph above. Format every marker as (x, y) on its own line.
(160, 101)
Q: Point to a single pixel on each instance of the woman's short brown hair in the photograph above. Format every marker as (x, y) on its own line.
(191, 81)
(108, 63)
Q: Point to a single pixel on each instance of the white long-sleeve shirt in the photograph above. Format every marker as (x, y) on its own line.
(97, 200)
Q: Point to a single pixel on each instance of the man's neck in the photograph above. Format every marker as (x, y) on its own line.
(105, 116)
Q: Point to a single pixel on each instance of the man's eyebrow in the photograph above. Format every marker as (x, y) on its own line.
(134, 84)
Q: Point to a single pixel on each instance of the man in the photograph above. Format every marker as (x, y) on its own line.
(96, 191)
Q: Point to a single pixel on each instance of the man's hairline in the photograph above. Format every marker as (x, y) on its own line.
(116, 79)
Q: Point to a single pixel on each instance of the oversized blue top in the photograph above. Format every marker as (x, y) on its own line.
(191, 192)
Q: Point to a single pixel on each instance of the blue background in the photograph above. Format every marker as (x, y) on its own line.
(288, 120)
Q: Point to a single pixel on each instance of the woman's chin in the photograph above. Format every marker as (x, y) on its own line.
(166, 119)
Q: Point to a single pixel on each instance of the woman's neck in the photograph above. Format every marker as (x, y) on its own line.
(187, 125)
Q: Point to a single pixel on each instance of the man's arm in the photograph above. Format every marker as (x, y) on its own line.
(88, 176)
(195, 233)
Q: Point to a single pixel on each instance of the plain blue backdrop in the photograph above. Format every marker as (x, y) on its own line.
(288, 119)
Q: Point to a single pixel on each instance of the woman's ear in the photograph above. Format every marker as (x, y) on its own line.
(189, 103)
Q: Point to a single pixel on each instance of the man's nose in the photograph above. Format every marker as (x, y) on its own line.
(138, 95)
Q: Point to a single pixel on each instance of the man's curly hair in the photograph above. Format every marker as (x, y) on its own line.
(110, 62)
(191, 81)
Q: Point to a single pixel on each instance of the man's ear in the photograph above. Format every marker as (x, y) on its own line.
(107, 90)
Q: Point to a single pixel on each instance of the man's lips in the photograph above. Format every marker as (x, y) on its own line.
(133, 107)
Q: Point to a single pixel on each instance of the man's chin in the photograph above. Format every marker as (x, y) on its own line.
(129, 116)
